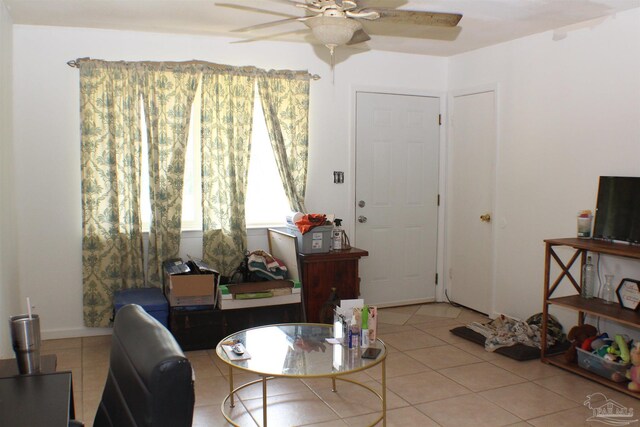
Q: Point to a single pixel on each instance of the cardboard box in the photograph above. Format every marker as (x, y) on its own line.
(187, 288)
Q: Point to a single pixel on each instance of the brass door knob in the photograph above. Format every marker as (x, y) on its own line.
(486, 217)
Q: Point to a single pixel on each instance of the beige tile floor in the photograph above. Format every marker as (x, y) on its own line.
(433, 379)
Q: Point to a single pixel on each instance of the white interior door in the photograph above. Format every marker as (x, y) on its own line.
(397, 144)
(470, 200)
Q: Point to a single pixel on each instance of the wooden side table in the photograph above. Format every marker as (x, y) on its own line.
(321, 272)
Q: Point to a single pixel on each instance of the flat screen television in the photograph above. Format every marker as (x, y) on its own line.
(618, 209)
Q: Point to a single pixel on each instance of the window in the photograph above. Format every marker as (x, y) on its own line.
(266, 202)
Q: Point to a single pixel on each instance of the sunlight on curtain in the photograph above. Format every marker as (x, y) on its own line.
(227, 109)
(285, 102)
(115, 96)
(112, 256)
(167, 93)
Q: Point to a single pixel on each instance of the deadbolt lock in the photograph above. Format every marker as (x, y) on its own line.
(486, 217)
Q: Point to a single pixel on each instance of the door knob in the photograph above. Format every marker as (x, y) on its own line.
(361, 203)
(362, 219)
(486, 217)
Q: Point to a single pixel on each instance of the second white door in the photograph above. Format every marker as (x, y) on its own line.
(397, 145)
(470, 200)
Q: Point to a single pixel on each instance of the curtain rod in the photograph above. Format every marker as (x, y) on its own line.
(75, 63)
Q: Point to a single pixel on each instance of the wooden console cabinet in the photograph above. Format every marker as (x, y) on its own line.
(199, 328)
(321, 272)
(582, 306)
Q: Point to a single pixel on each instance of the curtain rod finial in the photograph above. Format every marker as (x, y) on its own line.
(75, 63)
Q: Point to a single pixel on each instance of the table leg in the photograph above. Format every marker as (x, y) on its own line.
(72, 404)
(231, 396)
(384, 392)
(333, 384)
(264, 401)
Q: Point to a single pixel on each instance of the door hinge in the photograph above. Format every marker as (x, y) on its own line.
(440, 119)
(438, 200)
(436, 278)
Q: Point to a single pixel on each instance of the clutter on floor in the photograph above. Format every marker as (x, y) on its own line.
(514, 338)
(617, 358)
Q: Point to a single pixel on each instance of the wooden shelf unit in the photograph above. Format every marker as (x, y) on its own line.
(583, 306)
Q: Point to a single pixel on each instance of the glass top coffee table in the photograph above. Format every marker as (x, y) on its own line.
(297, 350)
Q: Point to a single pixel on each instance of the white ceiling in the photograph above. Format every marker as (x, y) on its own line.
(485, 22)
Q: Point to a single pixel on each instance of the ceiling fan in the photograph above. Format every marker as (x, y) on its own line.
(349, 22)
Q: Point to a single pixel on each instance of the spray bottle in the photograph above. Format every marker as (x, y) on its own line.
(336, 235)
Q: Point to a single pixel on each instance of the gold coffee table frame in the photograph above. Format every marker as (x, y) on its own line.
(303, 343)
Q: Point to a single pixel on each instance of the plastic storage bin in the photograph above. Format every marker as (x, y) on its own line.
(598, 365)
(315, 241)
(152, 300)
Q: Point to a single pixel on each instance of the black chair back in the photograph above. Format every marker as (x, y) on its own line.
(150, 382)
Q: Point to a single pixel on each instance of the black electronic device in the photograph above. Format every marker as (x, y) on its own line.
(618, 209)
(371, 353)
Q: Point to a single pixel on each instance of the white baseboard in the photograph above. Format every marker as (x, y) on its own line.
(405, 302)
(55, 334)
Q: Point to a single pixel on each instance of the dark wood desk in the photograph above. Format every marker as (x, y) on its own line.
(9, 367)
(37, 400)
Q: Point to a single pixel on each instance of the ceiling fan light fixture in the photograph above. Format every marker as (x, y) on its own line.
(333, 31)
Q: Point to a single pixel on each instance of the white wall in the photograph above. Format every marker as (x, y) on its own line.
(8, 236)
(569, 111)
(47, 149)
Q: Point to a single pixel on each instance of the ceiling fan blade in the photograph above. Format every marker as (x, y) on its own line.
(359, 36)
(265, 25)
(426, 32)
(272, 36)
(288, 1)
(381, 4)
(255, 9)
(438, 19)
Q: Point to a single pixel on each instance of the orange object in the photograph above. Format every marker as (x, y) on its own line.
(586, 344)
(309, 221)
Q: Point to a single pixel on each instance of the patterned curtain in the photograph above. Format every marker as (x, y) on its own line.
(285, 101)
(112, 256)
(167, 93)
(227, 118)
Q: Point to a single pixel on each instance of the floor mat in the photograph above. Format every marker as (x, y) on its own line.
(518, 351)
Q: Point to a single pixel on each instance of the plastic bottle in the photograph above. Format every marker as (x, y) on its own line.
(365, 327)
(608, 292)
(588, 279)
(354, 333)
